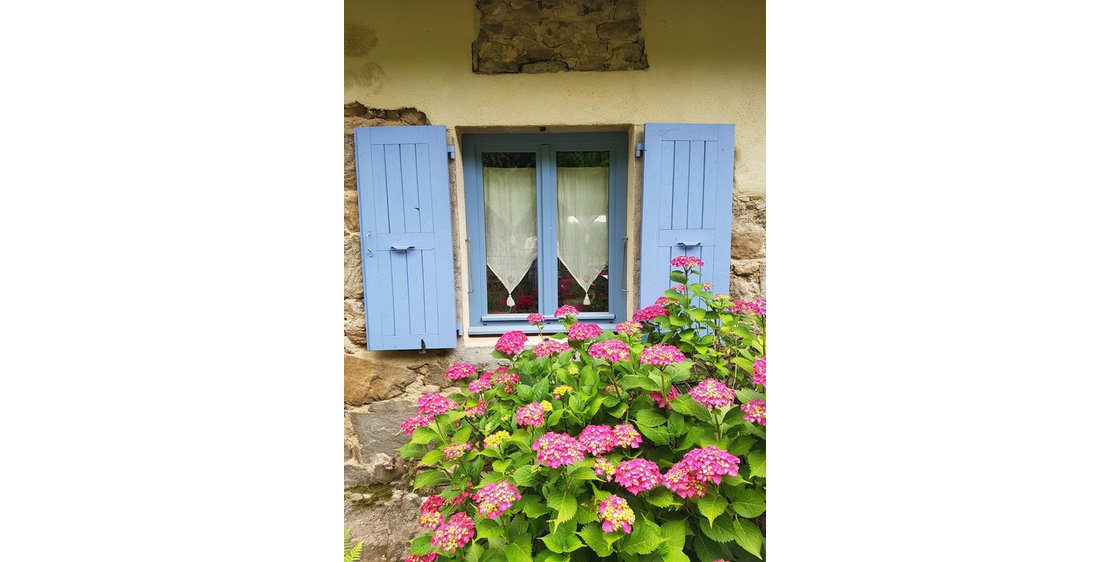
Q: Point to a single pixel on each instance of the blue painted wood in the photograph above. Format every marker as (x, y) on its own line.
(405, 223)
(545, 146)
(687, 202)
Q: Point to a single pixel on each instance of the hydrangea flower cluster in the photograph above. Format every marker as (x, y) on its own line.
(755, 411)
(429, 557)
(710, 463)
(461, 371)
(430, 516)
(547, 406)
(658, 397)
(629, 328)
(435, 404)
(757, 307)
(557, 449)
(562, 390)
(713, 394)
(613, 351)
(412, 422)
(494, 440)
(504, 377)
(530, 415)
(665, 301)
(661, 355)
(615, 514)
(547, 348)
(566, 310)
(511, 343)
(433, 503)
(687, 262)
(604, 469)
(455, 450)
(535, 318)
(638, 475)
(627, 436)
(476, 410)
(496, 498)
(680, 288)
(597, 439)
(682, 481)
(463, 496)
(454, 534)
(650, 313)
(759, 371)
(583, 332)
(480, 384)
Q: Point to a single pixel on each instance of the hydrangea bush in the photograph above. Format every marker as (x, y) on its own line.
(646, 443)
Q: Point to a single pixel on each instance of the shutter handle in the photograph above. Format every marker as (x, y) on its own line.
(689, 244)
(402, 248)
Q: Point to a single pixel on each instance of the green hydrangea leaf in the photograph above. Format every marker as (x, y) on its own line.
(749, 538)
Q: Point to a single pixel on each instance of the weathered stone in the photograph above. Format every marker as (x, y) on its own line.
(556, 33)
(626, 30)
(379, 427)
(350, 212)
(589, 63)
(355, 474)
(385, 528)
(536, 52)
(625, 9)
(352, 267)
(380, 469)
(746, 281)
(548, 66)
(628, 55)
(377, 376)
(352, 450)
(748, 240)
(354, 322)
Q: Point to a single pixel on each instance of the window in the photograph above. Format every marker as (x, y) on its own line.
(545, 227)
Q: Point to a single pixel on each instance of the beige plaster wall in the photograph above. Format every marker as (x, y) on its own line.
(706, 65)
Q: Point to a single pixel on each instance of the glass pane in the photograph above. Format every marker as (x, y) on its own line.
(582, 188)
(512, 280)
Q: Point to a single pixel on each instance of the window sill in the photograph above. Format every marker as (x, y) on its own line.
(529, 329)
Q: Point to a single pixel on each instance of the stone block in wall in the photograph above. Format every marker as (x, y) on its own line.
(379, 427)
(553, 36)
(746, 281)
(384, 527)
(378, 469)
(354, 322)
(369, 376)
(352, 267)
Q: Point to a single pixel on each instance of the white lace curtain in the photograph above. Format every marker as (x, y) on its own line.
(510, 195)
(583, 201)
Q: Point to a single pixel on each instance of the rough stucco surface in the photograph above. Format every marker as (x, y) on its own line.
(536, 36)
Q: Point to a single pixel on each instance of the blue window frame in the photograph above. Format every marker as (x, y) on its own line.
(505, 163)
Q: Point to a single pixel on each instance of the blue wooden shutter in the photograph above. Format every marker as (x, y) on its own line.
(404, 213)
(687, 203)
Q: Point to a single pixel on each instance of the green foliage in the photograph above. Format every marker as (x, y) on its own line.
(556, 518)
(351, 553)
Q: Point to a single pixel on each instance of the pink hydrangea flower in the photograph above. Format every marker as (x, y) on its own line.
(431, 519)
(713, 394)
(455, 450)
(511, 343)
(429, 557)
(627, 436)
(597, 439)
(535, 318)
(557, 449)
(680, 288)
(435, 404)
(476, 410)
(759, 371)
(615, 514)
(547, 348)
(707, 287)
(461, 371)
(686, 262)
(480, 384)
(629, 328)
(507, 379)
(496, 498)
(757, 307)
(432, 503)
(566, 310)
(665, 301)
(650, 313)
(454, 534)
(613, 351)
(658, 397)
(604, 469)
(463, 496)
(682, 481)
(661, 355)
(710, 464)
(582, 332)
(412, 422)
(531, 415)
(638, 475)
(755, 411)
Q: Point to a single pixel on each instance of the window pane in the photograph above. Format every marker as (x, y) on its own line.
(509, 182)
(582, 188)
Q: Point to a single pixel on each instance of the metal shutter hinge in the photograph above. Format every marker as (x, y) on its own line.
(639, 149)
(450, 152)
